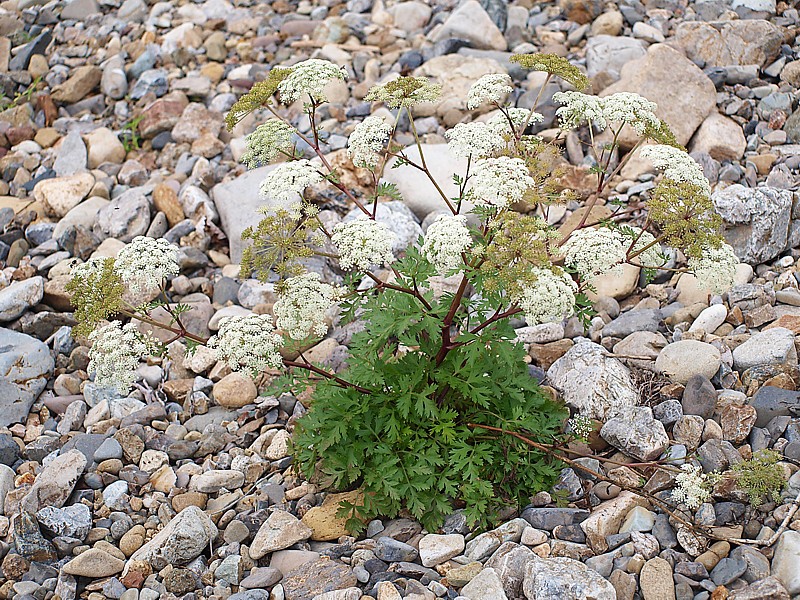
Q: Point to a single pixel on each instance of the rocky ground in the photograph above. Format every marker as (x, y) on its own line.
(113, 128)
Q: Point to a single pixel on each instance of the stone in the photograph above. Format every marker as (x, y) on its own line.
(655, 580)
(166, 200)
(581, 11)
(392, 550)
(699, 397)
(486, 585)
(746, 42)
(683, 359)
(684, 94)
(435, 549)
(82, 81)
(736, 422)
(608, 54)
(94, 563)
(607, 517)
(591, 382)
(317, 577)
(411, 16)
(609, 23)
(214, 480)
(71, 157)
(471, 22)
(755, 220)
(56, 482)
(638, 519)
(786, 561)
(19, 297)
(183, 539)
(728, 570)
(261, 577)
(771, 347)
(563, 578)
(720, 137)
(114, 81)
(104, 146)
(235, 390)
(72, 521)
(633, 321)
(710, 318)
(279, 531)
(771, 402)
(125, 217)
(634, 431)
(59, 195)
(769, 588)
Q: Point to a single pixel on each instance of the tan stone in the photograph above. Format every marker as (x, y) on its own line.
(607, 517)
(235, 391)
(323, 521)
(720, 137)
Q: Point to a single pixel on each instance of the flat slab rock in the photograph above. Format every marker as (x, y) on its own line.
(317, 577)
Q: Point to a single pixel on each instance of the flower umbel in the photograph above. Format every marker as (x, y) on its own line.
(676, 165)
(500, 122)
(578, 108)
(474, 139)
(145, 263)
(492, 87)
(405, 92)
(368, 140)
(96, 293)
(363, 242)
(248, 343)
(266, 142)
(309, 77)
(301, 307)
(550, 299)
(716, 268)
(691, 487)
(500, 181)
(592, 252)
(446, 239)
(115, 354)
(555, 65)
(287, 182)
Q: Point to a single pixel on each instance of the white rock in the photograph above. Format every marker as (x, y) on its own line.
(710, 318)
(279, 531)
(771, 347)
(19, 296)
(786, 561)
(486, 585)
(435, 549)
(213, 481)
(470, 22)
(680, 360)
(59, 195)
(564, 579)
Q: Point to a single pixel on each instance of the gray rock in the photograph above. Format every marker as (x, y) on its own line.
(632, 321)
(771, 402)
(279, 531)
(392, 550)
(756, 220)
(728, 570)
(771, 347)
(56, 482)
(317, 577)
(114, 82)
(71, 157)
(757, 564)
(125, 217)
(486, 585)
(766, 589)
(634, 431)
(72, 521)
(550, 518)
(564, 579)
(25, 365)
(182, 540)
(699, 397)
(20, 296)
(608, 54)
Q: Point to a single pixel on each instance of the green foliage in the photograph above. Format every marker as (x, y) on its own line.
(130, 134)
(95, 296)
(685, 215)
(258, 96)
(408, 443)
(555, 65)
(20, 97)
(761, 477)
(280, 243)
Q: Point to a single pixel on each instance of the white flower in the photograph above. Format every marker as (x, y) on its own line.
(500, 181)
(716, 269)
(264, 144)
(473, 139)
(550, 299)
(115, 354)
(445, 240)
(676, 165)
(499, 121)
(287, 181)
(247, 343)
(363, 242)
(643, 239)
(691, 487)
(90, 268)
(592, 252)
(301, 308)
(630, 108)
(493, 87)
(309, 77)
(368, 140)
(579, 108)
(145, 263)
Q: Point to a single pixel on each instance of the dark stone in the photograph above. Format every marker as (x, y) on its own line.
(29, 541)
(772, 402)
(226, 290)
(569, 533)
(549, 518)
(9, 450)
(317, 577)
(391, 550)
(699, 397)
(728, 570)
(38, 45)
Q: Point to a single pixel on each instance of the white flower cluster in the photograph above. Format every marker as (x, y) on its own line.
(651, 257)
(90, 268)
(300, 310)
(363, 242)
(500, 122)
(493, 87)
(367, 141)
(691, 487)
(146, 262)
(500, 181)
(550, 299)
(474, 139)
(115, 354)
(247, 343)
(287, 181)
(623, 107)
(445, 240)
(592, 252)
(716, 269)
(581, 426)
(309, 77)
(676, 165)
(264, 144)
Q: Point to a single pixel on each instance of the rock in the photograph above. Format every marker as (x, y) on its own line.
(766, 589)
(94, 563)
(486, 585)
(235, 390)
(509, 561)
(608, 54)
(59, 195)
(564, 579)
(616, 286)
(471, 22)
(786, 561)
(261, 577)
(736, 422)
(19, 297)
(114, 81)
(435, 549)
(279, 531)
(607, 517)
(166, 200)
(638, 519)
(392, 550)
(684, 94)
(771, 347)
(699, 397)
(195, 122)
(125, 217)
(756, 220)
(591, 382)
(633, 321)
(82, 81)
(25, 366)
(411, 16)
(609, 23)
(56, 482)
(634, 431)
(655, 580)
(746, 42)
(182, 540)
(771, 402)
(317, 577)
(104, 146)
(71, 156)
(214, 480)
(72, 521)
(581, 11)
(710, 318)
(417, 191)
(683, 359)
(323, 520)
(720, 137)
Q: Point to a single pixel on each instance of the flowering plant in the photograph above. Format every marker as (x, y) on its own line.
(432, 376)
